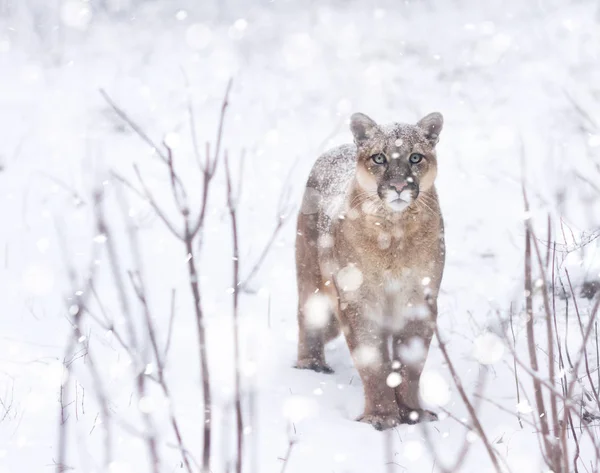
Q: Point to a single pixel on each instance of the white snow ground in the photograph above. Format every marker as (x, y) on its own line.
(500, 72)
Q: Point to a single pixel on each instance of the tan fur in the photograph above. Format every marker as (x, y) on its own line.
(370, 266)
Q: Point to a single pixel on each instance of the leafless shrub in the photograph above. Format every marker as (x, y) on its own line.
(561, 422)
(139, 335)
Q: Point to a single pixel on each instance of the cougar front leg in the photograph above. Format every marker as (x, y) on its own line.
(368, 345)
(313, 336)
(311, 347)
(411, 347)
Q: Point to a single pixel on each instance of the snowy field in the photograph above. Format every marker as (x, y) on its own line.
(518, 84)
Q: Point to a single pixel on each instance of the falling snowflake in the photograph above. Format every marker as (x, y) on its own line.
(198, 36)
(384, 240)
(413, 352)
(524, 407)
(393, 380)
(147, 405)
(240, 24)
(365, 355)
(172, 140)
(76, 14)
(181, 15)
(413, 450)
(38, 280)
(349, 278)
(43, 244)
(119, 467)
(55, 373)
(594, 141)
(317, 310)
(297, 408)
(488, 348)
(434, 389)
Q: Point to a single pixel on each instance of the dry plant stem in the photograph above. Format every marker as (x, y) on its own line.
(113, 260)
(187, 237)
(563, 379)
(466, 445)
(585, 355)
(505, 410)
(150, 430)
(288, 454)
(134, 348)
(567, 351)
(472, 413)
(141, 295)
(578, 361)
(537, 387)
(74, 338)
(232, 206)
(569, 407)
(100, 394)
(549, 335)
(263, 255)
(224, 105)
(192, 118)
(389, 444)
(204, 373)
(576, 441)
(170, 330)
(121, 113)
(282, 214)
(512, 329)
(462, 456)
(597, 353)
(549, 237)
(543, 382)
(150, 199)
(138, 130)
(106, 324)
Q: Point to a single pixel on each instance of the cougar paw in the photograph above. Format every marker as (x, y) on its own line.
(380, 421)
(412, 416)
(311, 364)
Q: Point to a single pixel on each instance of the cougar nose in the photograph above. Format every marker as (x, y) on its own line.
(398, 185)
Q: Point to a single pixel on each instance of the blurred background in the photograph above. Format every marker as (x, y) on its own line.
(519, 86)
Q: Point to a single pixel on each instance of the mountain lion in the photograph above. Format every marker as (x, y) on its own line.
(370, 258)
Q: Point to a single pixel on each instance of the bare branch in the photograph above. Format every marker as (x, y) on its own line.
(170, 330)
(147, 196)
(550, 454)
(192, 118)
(584, 352)
(133, 125)
(231, 204)
(472, 413)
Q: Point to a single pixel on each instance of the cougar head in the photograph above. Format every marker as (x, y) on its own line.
(395, 163)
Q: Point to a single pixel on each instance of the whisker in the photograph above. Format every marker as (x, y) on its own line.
(426, 207)
(364, 197)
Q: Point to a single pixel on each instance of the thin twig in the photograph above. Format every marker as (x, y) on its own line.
(134, 126)
(170, 329)
(231, 204)
(584, 353)
(537, 388)
(288, 454)
(512, 329)
(472, 413)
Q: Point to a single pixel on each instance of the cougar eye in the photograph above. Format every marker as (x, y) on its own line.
(378, 158)
(415, 158)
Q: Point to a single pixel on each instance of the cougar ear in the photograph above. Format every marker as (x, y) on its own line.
(362, 127)
(432, 125)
